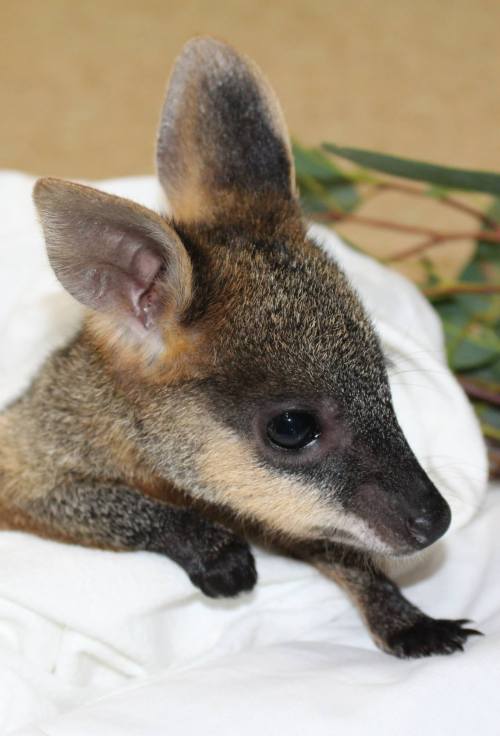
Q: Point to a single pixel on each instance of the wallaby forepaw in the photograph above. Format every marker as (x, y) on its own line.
(230, 572)
(428, 636)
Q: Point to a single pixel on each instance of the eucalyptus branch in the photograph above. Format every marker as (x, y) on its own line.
(377, 223)
(416, 249)
(433, 237)
(443, 290)
(482, 390)
(440, 238)
(445, 199)
(491, 236)
(494, 460)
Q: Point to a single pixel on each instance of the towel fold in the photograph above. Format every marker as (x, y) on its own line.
(76, 624)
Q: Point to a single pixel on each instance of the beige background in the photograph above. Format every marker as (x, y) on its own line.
(81, 81)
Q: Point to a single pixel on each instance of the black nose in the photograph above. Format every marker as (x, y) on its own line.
(426, 528)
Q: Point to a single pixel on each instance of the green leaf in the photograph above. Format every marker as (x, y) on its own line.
(432, 277)
(470, 354)
(312, 162)
(440, 176)
(475, 306)
(484, 267)
(488, 414)
(345, 197)
(437, 192)
(470, 346)
(473, 273)
(487, 252)
(494, 210)
(323, 186)
(489, 373)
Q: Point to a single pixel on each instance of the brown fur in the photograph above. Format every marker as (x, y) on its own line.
(193, 151)
(152, 425)
(277, 503)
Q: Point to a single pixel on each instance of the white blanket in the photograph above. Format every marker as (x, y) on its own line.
(96, 643)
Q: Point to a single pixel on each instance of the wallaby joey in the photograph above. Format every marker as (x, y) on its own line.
(224, 366)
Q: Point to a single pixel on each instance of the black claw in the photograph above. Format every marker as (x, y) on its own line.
(429, 636)
(472, 632)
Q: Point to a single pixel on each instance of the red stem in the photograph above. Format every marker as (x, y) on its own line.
(461, 288)
(445, 199)
(478, 390)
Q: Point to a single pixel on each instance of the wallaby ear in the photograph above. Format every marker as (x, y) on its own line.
(111, 254)
(222, 134)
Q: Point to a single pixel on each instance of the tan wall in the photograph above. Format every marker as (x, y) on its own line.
(81, 81)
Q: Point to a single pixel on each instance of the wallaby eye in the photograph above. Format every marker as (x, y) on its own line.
(293, 430)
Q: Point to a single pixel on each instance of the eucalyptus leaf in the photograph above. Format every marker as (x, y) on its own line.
(476, 306)
(440, 176)
(312, 162)
(345, 196)
(473, 272)
(436, 192)
(490, 373)
(453, 312)
(470, 347)
(494, 210)
(488, 414)
(469, 354)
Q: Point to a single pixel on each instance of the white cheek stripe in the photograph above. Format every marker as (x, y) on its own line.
(361, 531)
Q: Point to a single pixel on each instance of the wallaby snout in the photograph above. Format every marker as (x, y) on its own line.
(406, 519)
(428, 519)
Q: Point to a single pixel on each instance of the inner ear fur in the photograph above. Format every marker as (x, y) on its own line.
(222, 136)
(111, 254)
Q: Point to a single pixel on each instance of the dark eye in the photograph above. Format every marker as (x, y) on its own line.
(293, 430)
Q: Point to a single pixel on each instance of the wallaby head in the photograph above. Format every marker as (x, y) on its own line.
(240, 347)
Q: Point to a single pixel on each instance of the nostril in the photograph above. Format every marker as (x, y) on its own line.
(426, 528)
(420, 528)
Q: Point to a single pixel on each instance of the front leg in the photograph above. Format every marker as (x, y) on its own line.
(396, 625)
(119, 518)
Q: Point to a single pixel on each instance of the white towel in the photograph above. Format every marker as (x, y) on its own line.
(76, 624)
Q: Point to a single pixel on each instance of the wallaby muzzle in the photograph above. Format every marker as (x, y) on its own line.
(407, 513)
